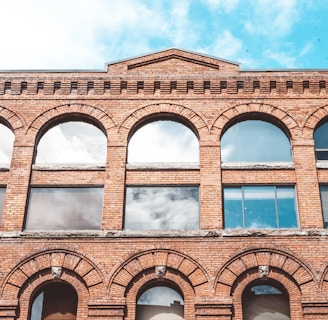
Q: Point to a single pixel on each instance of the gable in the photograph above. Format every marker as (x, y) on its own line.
(172, 61)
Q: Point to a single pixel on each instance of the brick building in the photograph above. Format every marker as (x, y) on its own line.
(233, 227)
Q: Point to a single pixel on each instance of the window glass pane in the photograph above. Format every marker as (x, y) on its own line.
(259, 207)
(163, 141)
(286, 207)
(233, 208)
(324, 204)
(321, 142)
(7, 138)
(2, 199)
(160, 303)
(72, 142)
(161, 208)
(255, 141)
(64, 209)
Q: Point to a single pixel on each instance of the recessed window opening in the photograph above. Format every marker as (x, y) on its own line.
(157, 85)
(306, 84)
(163, 141)
(124, 85)
(106, 85)
(7, 87)
(72, 142)
(40, 86)
(173, 85)
(240, 85)
(73, 86)
(289, 84)
(57, 86)
(140, 85)
(264, 301)
(257, 207)
(55, 301)
(207, 85)
(59, 208)
(320, 137)
(90, 86)
(256, 84)
(322, 84)
(255, 141)
(23, 86)
(7, 138)
(162, 208)
(273, 85)
(190, 85)
(223, 85)
(160, 302)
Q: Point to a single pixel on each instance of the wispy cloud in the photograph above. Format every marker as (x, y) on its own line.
(226, 6)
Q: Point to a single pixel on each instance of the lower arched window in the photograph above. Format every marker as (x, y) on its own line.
(55, 301)
(160, 302)
(264, 301)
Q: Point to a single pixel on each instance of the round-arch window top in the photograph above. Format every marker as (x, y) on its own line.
(163, 141)
(255, 141)
(72, 142)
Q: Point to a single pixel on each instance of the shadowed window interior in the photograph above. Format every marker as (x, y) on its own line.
(64, 209)
(259, 207)
(324, 204)
(162, 208)
(255, 141)
(160, 303)
(163, 141)
(2, 199)
(56, 301)
(73, 142)
(320, 137)
(265, 302)
(6, 145)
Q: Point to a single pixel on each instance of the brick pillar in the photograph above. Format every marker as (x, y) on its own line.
(101, 310)
(113, 209)
(17, 187)
(8, 309)
(307, 186)
(315, 310)
(213, 311)
(211, 191)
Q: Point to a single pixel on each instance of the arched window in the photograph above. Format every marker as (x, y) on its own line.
(72, 142)
(255, 141)
(163, 141)
(263, 301)
(55, 301)
(320, 137)
(6, 145)
(160, 302)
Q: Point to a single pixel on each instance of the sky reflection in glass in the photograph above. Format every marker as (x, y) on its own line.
(163, 141)
(7, 138)
(64, 209)
(161, 208)
(72, 142)
(255, 141)
(160, 296)
(320, 137)
(2, 199)
(259, 207)
(324, 204)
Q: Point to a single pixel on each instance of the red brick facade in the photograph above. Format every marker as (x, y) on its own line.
(211, 266)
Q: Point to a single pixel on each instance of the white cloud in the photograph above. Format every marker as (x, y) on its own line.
(225, 5)
(283, 58)
(273, 18)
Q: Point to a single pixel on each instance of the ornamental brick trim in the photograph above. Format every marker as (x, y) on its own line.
(11, 117)
(41, 263)
(148, 260)
(158, 110)
(260, 108)
(312, 119)
(72, 109)
(275, 259)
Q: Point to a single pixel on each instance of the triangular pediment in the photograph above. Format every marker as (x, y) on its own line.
(172, 61)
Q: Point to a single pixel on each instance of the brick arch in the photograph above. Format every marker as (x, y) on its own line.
(41, 263)
(285, 263)
(265, 109)
(74, 108)
(323, 282)
(142, 262)
(312, 119)
(11, 118)
(132, 119)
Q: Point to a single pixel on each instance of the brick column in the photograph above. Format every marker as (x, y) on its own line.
(113, 209)
(8, 309)
(210, 186)
(101, 310)
(315, 310)
(211, 311)
(307, 186)
(17, 187)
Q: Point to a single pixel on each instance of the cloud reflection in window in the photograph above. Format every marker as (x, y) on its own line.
(2, 199)
(72, 142)
(163, 141)
(64, 209)
(255, 141)
(7, 138)
(162, 208)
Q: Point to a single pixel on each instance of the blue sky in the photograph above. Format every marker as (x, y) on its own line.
(85, 34)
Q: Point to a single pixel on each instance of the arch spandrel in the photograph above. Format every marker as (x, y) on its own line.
(158, 110)
(312, 120)
(39, 266)
(146, 262)
(11, 118)
(261, 109)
